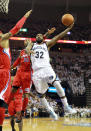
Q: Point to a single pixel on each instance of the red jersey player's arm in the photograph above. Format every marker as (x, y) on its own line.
(28, 49)
(33, 96)
(16, 63)
(5, 36)
(58, 37)
(50, 31)
(20, 23)
(17, 27)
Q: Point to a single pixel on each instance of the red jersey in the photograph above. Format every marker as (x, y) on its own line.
(5, 58)
(23, 61)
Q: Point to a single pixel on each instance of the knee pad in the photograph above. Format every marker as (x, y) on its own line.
(56, 79)
(41, 95)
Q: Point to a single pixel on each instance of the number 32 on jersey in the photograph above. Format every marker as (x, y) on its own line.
(39, 54)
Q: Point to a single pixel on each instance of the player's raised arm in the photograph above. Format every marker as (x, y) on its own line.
(17, 27)
(58, 37)
(16, 63)
(49, 32)
(28, 49)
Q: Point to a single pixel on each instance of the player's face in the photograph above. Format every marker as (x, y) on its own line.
(39, 38)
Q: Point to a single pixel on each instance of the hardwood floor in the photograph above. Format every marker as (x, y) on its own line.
(47, 124)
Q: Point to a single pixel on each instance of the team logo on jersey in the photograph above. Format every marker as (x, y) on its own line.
(26, 60)
(39, 47)
(24, 56)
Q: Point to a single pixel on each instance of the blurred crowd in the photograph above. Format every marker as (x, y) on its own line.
(77, 33)
(73, 68)
(35, 109)
(84, 112)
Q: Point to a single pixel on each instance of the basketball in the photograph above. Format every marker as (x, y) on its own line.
(67, 19)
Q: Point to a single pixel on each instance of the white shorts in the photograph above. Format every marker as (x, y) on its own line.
(42, 77)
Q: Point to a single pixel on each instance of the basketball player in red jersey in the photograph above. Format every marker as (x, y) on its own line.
(5, 61)
(15, 107)
(23, 75)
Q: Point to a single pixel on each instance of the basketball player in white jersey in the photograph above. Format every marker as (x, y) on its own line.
(43, 72)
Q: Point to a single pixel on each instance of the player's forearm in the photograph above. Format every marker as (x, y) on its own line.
(28, 49)
(20, 23)
(6, 36)
(46, 35)
(16, 63)
(31, 94)
(50, 31)
(14, 30)
(61, 35)
(18, 26)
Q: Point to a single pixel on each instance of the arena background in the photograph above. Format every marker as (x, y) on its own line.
(47, 14)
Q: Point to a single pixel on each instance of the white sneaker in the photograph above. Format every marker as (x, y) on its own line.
(69, 110)
(54, 116)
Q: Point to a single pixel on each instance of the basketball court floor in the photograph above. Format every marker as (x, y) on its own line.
(47, 124)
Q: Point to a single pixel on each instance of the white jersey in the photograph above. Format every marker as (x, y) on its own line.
(41, 57)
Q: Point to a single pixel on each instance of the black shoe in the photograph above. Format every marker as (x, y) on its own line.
(13, 129)
(22, 113)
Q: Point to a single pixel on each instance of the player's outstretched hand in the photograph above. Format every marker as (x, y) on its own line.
(27, 41)
(28, 14)
(50, 31)
(29, 44)
(71, 25)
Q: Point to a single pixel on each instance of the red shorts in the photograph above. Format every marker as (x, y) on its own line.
(23, 79)
(15, 106)
(5, 84)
